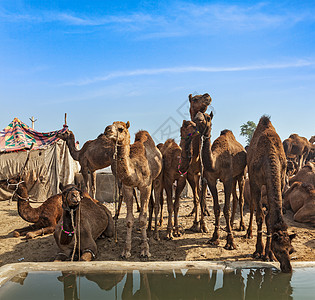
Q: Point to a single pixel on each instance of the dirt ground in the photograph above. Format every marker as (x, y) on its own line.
(190, 246)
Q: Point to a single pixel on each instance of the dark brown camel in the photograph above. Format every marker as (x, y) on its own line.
(190, 164)
(44, 217)
(297, 147)
(83, 220)
(225, 159)
(305, 175)
(136, 165)
(267, 166)
(94, 155)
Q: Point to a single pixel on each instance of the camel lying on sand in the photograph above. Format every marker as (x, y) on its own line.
(83, 221)
(300, 197)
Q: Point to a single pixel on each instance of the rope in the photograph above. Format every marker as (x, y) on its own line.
(75, 235)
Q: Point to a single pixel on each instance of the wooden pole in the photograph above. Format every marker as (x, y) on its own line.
(65, 119)
(33, 122)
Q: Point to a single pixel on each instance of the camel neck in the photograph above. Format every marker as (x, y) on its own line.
(70, 141)
(26, 212)
(123, 163)
(207, 157)
(67, 226)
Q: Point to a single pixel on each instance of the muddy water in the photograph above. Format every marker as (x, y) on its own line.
(261, 283)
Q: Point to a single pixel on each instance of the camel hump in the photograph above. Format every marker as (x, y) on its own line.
(227, 132)
(264, 121)
(144, 137)
(293, 136)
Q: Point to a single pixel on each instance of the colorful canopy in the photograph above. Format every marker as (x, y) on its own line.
(18, 136)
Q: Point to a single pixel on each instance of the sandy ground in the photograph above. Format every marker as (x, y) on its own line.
(190, 246)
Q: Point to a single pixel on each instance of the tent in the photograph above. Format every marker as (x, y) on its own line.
(50, 161)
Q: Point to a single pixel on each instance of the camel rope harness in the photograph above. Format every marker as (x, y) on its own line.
(116, 187)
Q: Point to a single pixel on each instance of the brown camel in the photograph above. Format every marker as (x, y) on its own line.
(300, 197)
(297, 147)
(311, 155)
(305, 175)
(94, 155)
(44, 217)
(137, 165)
(267, 165)
(190, 165)
(224, 160)
(198, 103)
(83, 221)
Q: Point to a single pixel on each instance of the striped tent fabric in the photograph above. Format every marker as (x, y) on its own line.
(18, 136)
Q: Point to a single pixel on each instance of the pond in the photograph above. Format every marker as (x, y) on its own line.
(252, 283)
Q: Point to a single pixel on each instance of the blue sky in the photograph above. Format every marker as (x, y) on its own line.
(103, 61)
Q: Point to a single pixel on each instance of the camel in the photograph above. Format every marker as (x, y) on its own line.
(311, 155)
(94, 155)
(45, 217)
(267, 165)
(190, 166)
(300, 197)
(136, 165)
(305, 175)
(84, 219)
(198, 103)
(297, 146)
(225, 160)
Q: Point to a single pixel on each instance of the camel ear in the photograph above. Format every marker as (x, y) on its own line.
(211, 115)
(276, 236)
(189, 97)
(127, 124)
(292, 236)
(61, 187)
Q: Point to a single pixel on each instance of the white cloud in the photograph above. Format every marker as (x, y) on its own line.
(189, 69)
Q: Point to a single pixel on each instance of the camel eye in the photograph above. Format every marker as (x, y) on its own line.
(120, 129)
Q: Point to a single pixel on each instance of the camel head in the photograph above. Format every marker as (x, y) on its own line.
(203, 123)
(199, 103)
(12, 183)
(65, 135)
(312, 139)
(118, 132)
(71, 196)
(282, 248)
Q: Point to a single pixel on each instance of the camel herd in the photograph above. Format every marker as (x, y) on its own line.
(280, 176)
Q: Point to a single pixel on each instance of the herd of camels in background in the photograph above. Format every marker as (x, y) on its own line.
(280, 176)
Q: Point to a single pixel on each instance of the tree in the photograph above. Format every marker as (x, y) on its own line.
(247, 130)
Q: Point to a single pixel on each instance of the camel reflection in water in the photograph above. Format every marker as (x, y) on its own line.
(242, 284)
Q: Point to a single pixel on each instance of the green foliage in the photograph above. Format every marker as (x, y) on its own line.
(247, 130)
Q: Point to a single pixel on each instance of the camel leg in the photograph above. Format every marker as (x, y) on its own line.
(268, 253)
(241, 183)
(203, 205)
(234, 202)
(161, 205)
(144, 200)
(255, 194)
(85, 175)
(169, 191)
(41, 231)
(249, 233)
(151, 207)
(120, 200)
(227, 192)
(127, 194)
(179, 188)
(216, 207)
(194, 183)
(136, 198)
(63, 254)
(89, 249)
(93, 184)
(203, 197)
(23, 230)
(157, 187)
